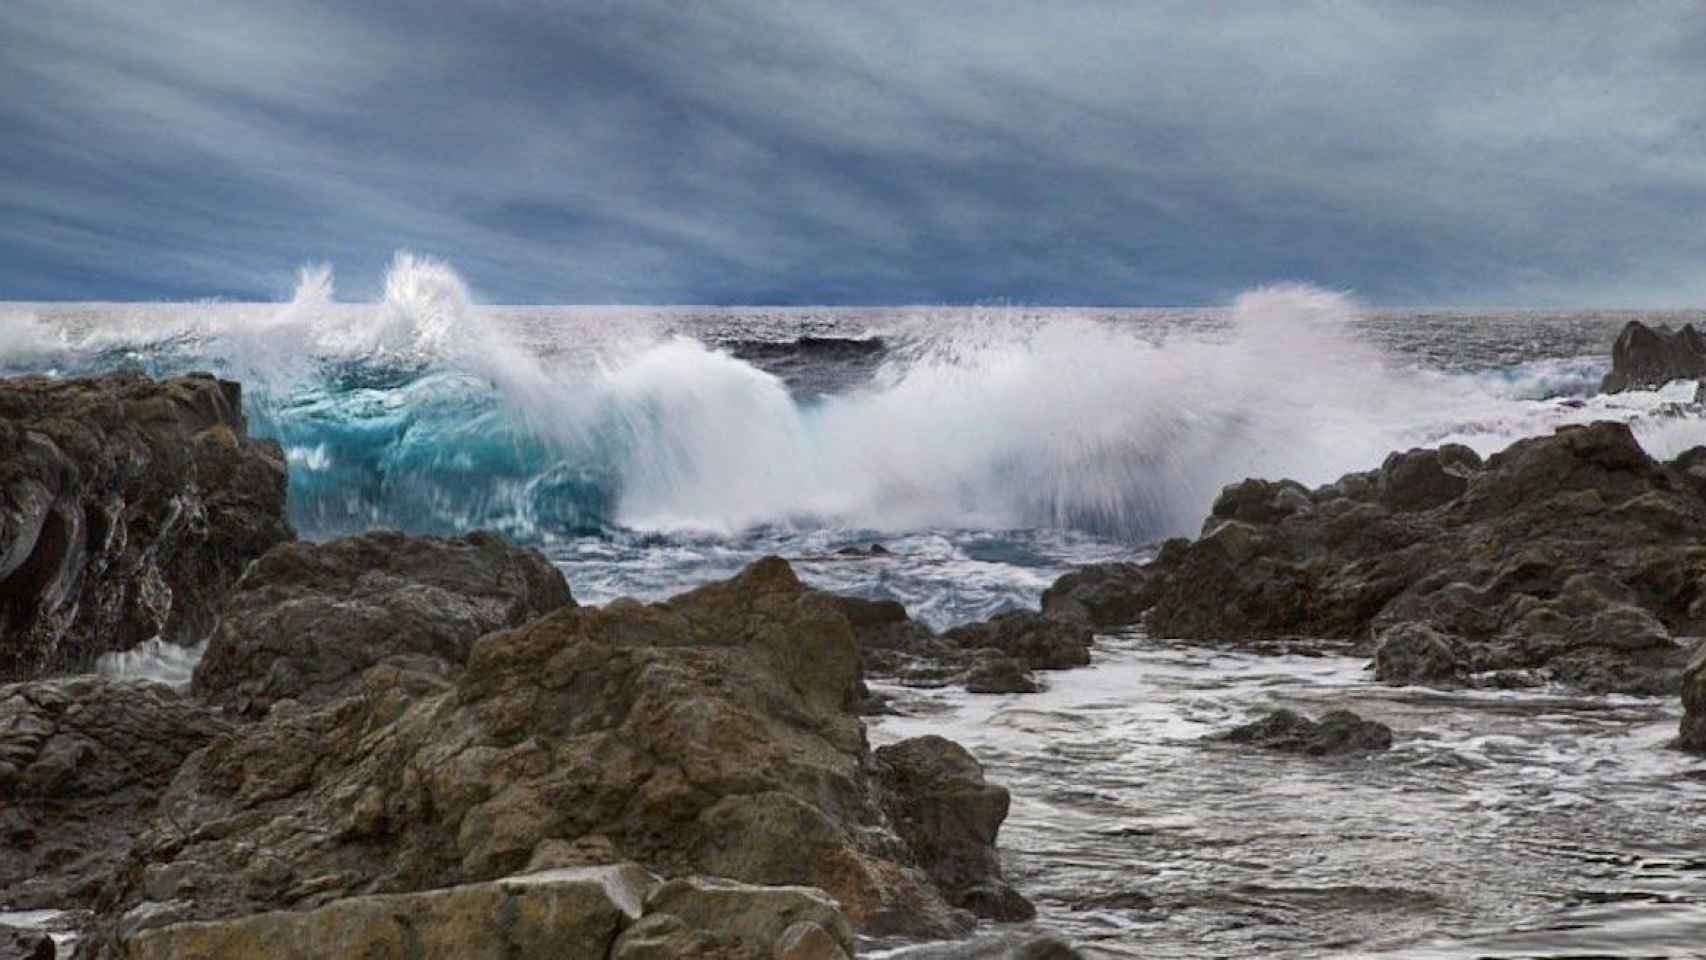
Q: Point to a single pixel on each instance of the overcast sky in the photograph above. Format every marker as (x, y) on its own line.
(858, 152)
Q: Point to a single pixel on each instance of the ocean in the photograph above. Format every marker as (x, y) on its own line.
(989, 449)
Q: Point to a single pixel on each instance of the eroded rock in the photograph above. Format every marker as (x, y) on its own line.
(128, 507)
(1337, 732)
(307, 618)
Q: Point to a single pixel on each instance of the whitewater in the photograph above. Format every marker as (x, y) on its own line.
(646, 450)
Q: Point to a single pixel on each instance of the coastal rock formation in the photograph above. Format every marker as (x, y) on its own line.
(713, 734)
(19, 944)
(1575, 554)
(1693, 736)
(1337, 732)
(992, 656)
(128, 507)
(83, 761)
(939, 803)
(1645, 358)
(307, 618)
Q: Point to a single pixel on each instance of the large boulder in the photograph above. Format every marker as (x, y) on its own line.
(308, 618)
(715, 733)
(83, 761)
(128, 507)
(1645, 358)
(939, 803)
(1100, 595)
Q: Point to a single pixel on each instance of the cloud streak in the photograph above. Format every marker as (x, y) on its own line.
(879, 152)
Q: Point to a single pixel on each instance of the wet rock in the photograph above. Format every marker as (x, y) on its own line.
(17, 943)
(560, 915)
(1101, 595)
(1001, 946)
(1037, 641)
(128, 507)
(1574, 553)
(83, 761)
(308, 618)
(1338, 732)
(715, 733)
(1415, 653)
(939, 803)
(1693, 733)
(1000, 674)
(1645, 358)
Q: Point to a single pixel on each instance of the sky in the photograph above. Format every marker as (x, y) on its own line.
(746, 152)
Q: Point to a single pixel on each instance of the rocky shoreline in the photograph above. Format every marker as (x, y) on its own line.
(422, 746)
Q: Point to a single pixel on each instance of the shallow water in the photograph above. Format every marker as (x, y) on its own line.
(1501, 824)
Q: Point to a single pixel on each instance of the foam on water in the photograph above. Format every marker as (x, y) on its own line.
(425, 412)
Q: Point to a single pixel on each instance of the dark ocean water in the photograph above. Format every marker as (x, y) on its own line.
(647, 450)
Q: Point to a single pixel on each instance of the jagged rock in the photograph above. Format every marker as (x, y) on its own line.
(1415, 653)
(17, 943)
(82, 762)
(1039, 642)
(1693, 733)
(557, 915)
(755, 922)
(1645, 358)
(1337, 732)
(935, 794)
(127, 508)
(714, 733)
(1574, 553)
(1101, 595)
(308, 618)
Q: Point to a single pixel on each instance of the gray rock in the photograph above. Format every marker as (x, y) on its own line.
(17, 943)
(1039, 642)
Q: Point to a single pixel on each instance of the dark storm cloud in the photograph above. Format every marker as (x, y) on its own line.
(877, 152)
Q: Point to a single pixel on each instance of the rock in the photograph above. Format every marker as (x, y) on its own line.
(1415, 653)
(1000, 674)
(17, 943)
(753, 918)
(1001, 946)
(1039, 642)
(558, 915)
(1575, 554)
(939, 803)
(715, 733)
(83, 761)
(307, 618)
(1645, 358)
(128, 507)
(1338, 732)
(1693, 733)
(1100, 594)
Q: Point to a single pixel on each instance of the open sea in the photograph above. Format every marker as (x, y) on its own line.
(650, 449)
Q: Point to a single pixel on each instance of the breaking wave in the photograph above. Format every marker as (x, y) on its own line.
(423, 411)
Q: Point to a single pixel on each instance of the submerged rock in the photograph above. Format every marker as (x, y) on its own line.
(308, 618)
(1337, 732)
(83, 761)
(715, 733)
(1037, 641)
(128, 507)
(1646, 358)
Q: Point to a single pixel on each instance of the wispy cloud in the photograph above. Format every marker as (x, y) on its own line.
(890, 151)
